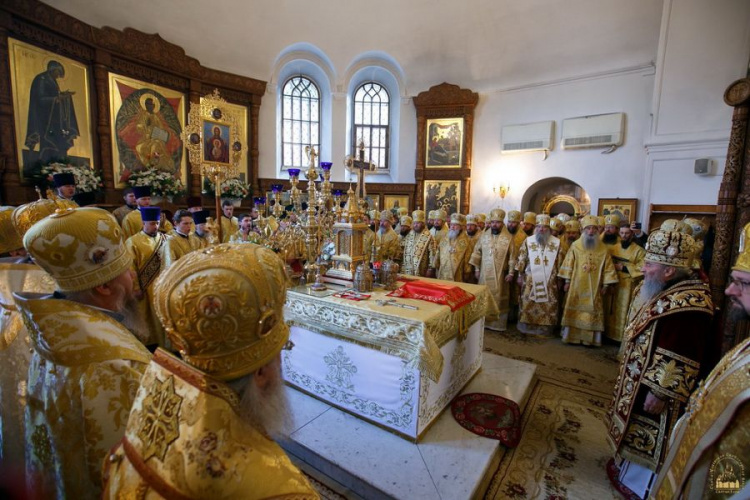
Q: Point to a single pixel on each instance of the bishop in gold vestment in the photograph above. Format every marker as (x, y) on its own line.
(147, 248)
(85, 364)
(628, 260)
(201, 426)
(587, 270)
(452, 261)
(538, 262)
(439, 230)
(419, 249)
(490, 260)
(387, 244)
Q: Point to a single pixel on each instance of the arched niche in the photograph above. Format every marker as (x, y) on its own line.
(555, 195)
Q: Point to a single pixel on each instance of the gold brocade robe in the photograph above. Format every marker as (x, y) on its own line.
(419, 251)
(178, 245)
(632, 260)
(228, 228)
(15, 276)
(82, 379)
(491, 257)
(514, 291)
(719, 409)
(439, 235)
(539, 298)
(387, 246)
(121, 212)
(200, 448)
(452, 261)
(133, 224)
(665, 342)
(587, 271)
(148, 262)
(250, 237)
(368, 238)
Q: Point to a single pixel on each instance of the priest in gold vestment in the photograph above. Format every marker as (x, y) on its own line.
(85, 364)
(452, 258)
(439, 229)
(229, 223)
(490, 260)
(665, 343)
(181, 242)
(538, 262)
(132, 223)
(202, 426)
(148, 248)
(628, 260)
(588, 273)
(386, 240)
(419, 247)
(709, 448)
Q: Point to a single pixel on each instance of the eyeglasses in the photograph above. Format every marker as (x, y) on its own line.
(742, 285)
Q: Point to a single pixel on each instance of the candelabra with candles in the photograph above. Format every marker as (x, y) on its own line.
(295, 194)
(311, 226)
(278, 210)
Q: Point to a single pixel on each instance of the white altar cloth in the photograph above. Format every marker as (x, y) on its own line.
(370, 360)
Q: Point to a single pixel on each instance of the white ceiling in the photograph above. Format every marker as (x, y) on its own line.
(479, 44)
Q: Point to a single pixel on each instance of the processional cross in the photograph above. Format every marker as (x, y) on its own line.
(360, 167)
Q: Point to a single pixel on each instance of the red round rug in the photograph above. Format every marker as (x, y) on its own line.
(489, 416)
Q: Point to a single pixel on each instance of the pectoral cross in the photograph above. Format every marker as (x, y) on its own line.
(360, 167)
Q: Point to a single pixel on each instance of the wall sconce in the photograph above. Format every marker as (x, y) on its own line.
(501, 190)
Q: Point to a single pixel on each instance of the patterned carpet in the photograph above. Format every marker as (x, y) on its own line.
(563, 450)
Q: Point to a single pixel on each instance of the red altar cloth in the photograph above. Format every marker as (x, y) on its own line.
(452, 296)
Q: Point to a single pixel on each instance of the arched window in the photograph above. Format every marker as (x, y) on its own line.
(372, 123)
(300, 125)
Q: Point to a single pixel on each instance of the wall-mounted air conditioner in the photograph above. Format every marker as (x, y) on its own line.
(538, 136)
(596, 131)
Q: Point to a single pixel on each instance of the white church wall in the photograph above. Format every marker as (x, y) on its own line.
(619, 174)
(702, 49)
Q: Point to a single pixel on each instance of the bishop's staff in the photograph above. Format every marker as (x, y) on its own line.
(211, 154)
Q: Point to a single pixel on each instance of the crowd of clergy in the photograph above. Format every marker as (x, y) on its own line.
(142, 353)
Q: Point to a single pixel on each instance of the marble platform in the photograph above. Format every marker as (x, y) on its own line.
(449, 462)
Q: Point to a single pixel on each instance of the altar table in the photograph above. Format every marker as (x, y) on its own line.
(397, 368)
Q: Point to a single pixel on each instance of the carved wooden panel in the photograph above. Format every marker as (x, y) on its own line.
(143, 56)
(445, 101)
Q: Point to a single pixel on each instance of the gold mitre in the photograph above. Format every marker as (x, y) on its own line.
(459, 219)
(670, 248)
(482, 217)
(9, 237)
(79, 247)
(513, 216)
(612, 220)
(529, 218)
(222, 307)
(555, 224)
(698, 226)
(405, 220)
(403, 211)
(385, 215)
(29, 214)
(676, 225)
(418, 216)
(498, 214)
(573, 225)
(563, 217)
(600, 221)
(589, 220)
(743, 259)
(441, 214)
(373, 214)
(542, 220)
(471, 219)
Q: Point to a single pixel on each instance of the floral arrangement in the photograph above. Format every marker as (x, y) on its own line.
(87, 180)
(327, 250)
(231, 188)
(162, 183)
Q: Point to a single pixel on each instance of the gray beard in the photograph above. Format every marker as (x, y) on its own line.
(589, 242)
(383, 230)
(134, 321)
(452, 234)
(267, 409)
(650, 288)
(542, 238)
